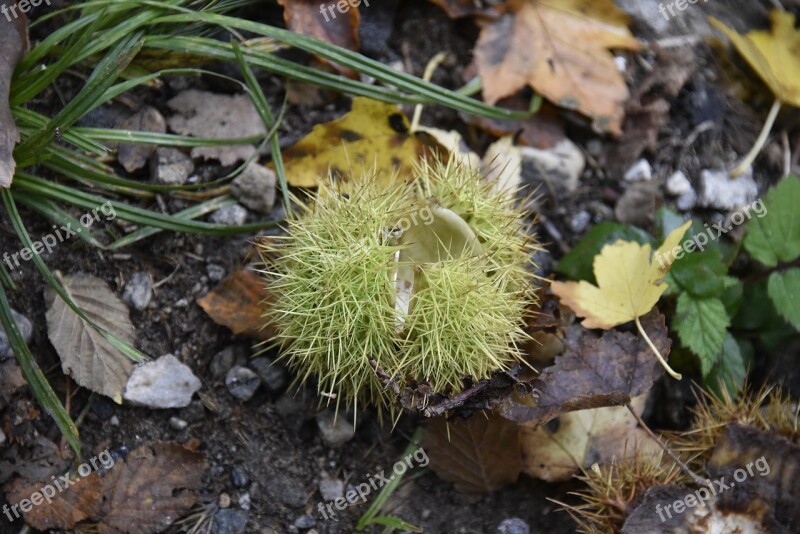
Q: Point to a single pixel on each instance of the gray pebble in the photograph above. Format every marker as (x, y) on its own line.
(228, 521)
(138, 291)
(305, 522)
(255, 187)
(242, 382)
(177, 423)
(215, 272)
(639, 171)
(170, 166)
(514, 525)
(331, 489)
(25, 328)
(235, 215)
(274, 376)
(244, 501)
(335, 431)
(222, 362)
(580, 222)
(239, 478)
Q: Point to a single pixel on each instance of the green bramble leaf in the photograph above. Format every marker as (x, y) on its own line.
(700, 273)
(578, 263)
(775, 237)
(729, 371)
(702, 324)
(784, 290)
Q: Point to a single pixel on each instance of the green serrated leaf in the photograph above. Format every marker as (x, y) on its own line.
(784, 290)
(702, 324)
(775, 237)
(700, 273)
(729, 371)
(665, 221)
(577, 264)
(732, 296)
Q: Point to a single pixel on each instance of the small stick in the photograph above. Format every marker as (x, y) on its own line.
(672, 373)
(458, 400)
(759, 144)
(697, 479)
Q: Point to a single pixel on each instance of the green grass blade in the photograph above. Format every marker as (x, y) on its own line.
(39, 385)
(52, 212)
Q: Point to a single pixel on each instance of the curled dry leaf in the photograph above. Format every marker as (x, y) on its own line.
(593, 372)
(324, 21)
(86, 355)
(576, 440)
(239, 302)
(79, 502)
(479, 455)
(13, 47)
(561, 50)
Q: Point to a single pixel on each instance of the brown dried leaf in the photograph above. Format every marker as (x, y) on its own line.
(576, 440)
(239, 302)
(13, 47)
(79, 502)
(457, 9)
(86, 355)
(152, 488)
(560, 48)
(593, 372)
(481, 455)
(323, 20)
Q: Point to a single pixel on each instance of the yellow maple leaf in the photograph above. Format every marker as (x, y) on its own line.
(373, 138)
(775, 56)
(561, 49)
(629, 284)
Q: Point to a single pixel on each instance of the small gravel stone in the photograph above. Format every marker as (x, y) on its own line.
(138, 291)
(102, 409)
(335, 431)
(719, 190)
(274, 376)
(2, 437)
(227, 521)
(305, 522)
(222, 362)
(242, 382)
(678, 184)
(244, 501)
(289, 491)
(255, 187)
(224, 501)
(331, 489)
(235, 215)
(239, 478)
(177, 423)
(25, 328)
(215, 272)
(170, 166)
(580, 222)
(162, 383)
(514, 525)
(114, 421)
(639, 171)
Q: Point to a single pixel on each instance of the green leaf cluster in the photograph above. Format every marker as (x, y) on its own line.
(716, 316)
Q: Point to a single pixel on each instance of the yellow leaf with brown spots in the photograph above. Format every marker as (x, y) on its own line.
(372, 139)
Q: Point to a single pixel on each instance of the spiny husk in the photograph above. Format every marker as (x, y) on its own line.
(334, 279)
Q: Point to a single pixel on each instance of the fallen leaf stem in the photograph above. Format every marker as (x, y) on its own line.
(760, 141)
(430, 68)
(672, 373)
(697, 479)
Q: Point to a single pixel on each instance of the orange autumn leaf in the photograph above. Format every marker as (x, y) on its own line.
(561, 49)
(239, 302)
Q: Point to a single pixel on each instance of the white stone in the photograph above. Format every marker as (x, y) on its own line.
(719, 190)
(162, 383)
(678, 184)
(561, 165)
(639, 171)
